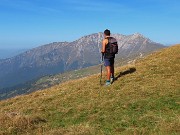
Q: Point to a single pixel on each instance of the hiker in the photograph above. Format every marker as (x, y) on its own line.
(109, 49)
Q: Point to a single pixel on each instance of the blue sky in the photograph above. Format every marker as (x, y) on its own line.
(30, 23)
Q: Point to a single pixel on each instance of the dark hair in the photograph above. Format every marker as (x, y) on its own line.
(107, 32)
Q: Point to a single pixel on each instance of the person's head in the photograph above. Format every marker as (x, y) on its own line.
(107, 33)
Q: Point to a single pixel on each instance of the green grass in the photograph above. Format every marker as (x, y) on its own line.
(143, 102)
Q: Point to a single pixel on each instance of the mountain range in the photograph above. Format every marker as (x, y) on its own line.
(59, 57)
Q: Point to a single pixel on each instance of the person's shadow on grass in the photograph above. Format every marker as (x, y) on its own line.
(129, 71)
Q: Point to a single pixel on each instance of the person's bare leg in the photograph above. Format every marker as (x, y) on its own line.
(108, 69)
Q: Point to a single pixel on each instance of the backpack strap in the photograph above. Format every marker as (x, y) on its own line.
(108, 38)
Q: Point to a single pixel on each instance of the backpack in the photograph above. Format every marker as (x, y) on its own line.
(113, 46)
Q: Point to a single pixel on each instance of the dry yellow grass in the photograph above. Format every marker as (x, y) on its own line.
(145, 101)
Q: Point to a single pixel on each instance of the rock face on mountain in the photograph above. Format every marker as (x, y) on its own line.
(59, 57)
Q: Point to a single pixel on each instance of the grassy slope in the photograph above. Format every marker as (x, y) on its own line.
(143, 102)
(49, 81)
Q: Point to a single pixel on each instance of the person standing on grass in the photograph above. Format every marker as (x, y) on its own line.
(109, 49)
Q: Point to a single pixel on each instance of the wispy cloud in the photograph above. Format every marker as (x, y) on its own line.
(31, 6)
(60, 6)
(94, 5)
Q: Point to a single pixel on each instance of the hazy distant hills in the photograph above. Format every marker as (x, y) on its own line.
(58, 57)
(7, 53)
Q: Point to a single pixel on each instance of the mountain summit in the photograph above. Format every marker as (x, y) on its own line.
(59, 57)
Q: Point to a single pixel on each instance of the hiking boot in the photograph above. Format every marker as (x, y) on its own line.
(108, 83)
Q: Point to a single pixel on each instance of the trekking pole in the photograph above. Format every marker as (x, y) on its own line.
(102, 59)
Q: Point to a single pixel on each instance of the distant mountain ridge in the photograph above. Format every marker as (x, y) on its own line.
(59, 57)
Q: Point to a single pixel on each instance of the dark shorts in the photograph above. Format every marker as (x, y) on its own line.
(108, 62)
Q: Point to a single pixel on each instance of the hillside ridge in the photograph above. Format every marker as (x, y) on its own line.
(142, 101)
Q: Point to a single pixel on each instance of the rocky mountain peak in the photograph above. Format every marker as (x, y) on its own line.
(138, 35)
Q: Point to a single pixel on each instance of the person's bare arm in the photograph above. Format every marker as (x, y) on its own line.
(104, 46)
